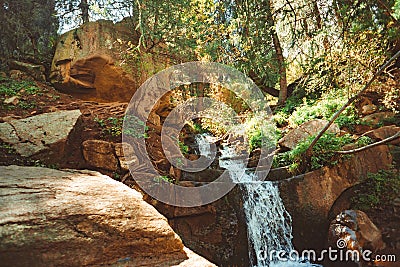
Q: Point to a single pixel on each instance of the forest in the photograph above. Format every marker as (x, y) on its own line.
(199, 132)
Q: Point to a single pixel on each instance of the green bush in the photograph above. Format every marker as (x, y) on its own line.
(323, 152)
(377, 190)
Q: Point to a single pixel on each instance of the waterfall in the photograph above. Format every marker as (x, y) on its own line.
(268, 223)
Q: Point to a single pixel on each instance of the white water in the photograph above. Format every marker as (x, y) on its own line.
(268, 223)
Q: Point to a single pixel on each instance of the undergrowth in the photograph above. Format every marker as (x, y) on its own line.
(377, 190)
(323, 152)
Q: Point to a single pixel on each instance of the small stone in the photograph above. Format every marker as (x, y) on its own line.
(12, 100)
(368, 109)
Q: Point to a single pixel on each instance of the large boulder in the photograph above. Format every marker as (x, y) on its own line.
(353, 230)
(309, 197)
(91, 62)
(305, 130)
(35, 134)
(385, 132)
(78, 218)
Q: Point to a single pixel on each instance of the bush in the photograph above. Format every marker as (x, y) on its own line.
(323, 152)
(377, 190)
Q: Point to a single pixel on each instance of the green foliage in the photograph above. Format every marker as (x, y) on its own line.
(134, 127)
(363, 141)
(165, 178)
(29, 30)
(184, 148)
(110, 126)
(377, 190)
(26, 105)
(198, 128)
(10, 87)
(323, 152)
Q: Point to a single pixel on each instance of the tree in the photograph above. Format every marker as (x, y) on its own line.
(28, 29)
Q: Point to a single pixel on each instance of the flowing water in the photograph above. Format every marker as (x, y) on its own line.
(268, 223)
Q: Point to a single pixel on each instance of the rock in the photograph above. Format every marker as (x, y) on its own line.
(33, 70)
(216, 231)
(301, 133)
(353, 230)
(90, 62)
(378, 117)
(18, 75)
(77, 218)
(34, 134)
(11, 100)
(100, 154)
(126, 156)
(384, 132)
(309, 197)
(368, 109)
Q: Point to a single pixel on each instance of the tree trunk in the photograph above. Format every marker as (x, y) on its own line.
(279, 55)
(84, 6)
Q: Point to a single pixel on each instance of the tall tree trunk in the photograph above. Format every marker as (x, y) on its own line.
(283, 92)
(84, 6)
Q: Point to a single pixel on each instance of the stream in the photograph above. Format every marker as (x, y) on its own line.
(269, 225)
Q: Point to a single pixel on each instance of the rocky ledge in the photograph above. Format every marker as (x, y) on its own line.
(78, 218)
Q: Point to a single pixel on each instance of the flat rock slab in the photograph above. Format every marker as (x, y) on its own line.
(305, 130)
(34, 134)
(75, 218)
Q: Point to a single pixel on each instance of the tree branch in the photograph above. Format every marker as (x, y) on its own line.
(370, 145)
(351, 100)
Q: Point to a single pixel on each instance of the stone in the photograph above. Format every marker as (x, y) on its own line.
(18, 75)
(310, 197)
(384, 132)
(217, 230)
(90, 62)
(305, 130)
(378, 117)
(11, 100)
(34, 134)
(368, 109)
(78, 218)
(34, 70)
(354, 230)
(100, 154)
(126, 156)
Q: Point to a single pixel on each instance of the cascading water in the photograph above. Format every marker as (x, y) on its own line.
(268, 223)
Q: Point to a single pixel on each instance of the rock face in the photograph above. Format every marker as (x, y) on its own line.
(89, 63)
(357, 231)
(384, 132)
(216, 231)
(301, 133)
(37, 133)
(75, 218)
(310, 197)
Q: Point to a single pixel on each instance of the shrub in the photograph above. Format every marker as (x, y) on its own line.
(377, 190)
(323, 152)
